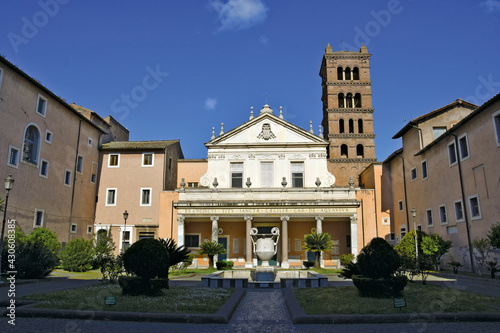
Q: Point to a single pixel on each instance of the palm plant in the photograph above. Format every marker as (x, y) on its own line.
(317, 243)
(211, 248)
(175, 254)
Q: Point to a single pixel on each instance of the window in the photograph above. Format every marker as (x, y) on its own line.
(67, 177)
(413, 173)
(146, 234)
(90, 141)
(236, 175)
(114, 160)
(48, 136)
(347, 73)
(93, 173)
(341, 100)
(41, 106)
(428, 214)
(452, 153)
(170, 163)
(13, 159)
(39, 214)
(344, 151)
(348, 100)
(145, 196)
(437, 131)
(191, 240)
(90, 229)
(355, 73)
(44, 168)
(357, 100)
(459, 211)
(126, 239)
(341, 126)
(351, 126)
(360, 125)
(266, 174)
(360, 151)
(402, 231)
(475, 208)
(340, 73)
(442, 215)
(192, 184)
(464, 147)
(424, 170)
(496, 122)
(79, 164)
(31, 145)
(419, 227)
(73, 228)
(297, 169)
(147, 159)
(400, 205)
(111, 197)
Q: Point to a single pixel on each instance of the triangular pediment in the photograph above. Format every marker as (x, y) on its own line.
(267, 130)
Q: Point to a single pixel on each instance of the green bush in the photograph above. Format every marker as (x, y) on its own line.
(224, 265)
(147, 259)
(346, 258)
(308, 264)
(103, 248)
(135, 285)
(33, 257)
(78, 255)
(383, 287)
(47, 237)
(111, 268)
(378, 259)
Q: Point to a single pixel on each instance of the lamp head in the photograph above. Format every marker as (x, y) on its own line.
(125, 215)
(9, 183)
(413, 212)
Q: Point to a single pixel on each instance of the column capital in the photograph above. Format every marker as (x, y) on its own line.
(214, 218)
(248, 218)
(319, 218)
(354, 219)
(285, 218)
(181, 219)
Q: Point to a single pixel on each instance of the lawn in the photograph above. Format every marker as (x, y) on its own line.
(174, 300)
(419, 299)
(94, 274)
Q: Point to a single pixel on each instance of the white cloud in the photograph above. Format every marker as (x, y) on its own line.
(210, 103)
(239, 14)
(263, 39)
(490, 5)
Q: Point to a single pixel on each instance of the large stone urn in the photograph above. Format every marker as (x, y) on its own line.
(265, 246)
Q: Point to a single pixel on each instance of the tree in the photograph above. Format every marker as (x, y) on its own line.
(210, 249)
(317, 243)
(481, 247)
(175, 254)
(77, 255)
(406, 247)
(494, 236)
(434, 246)
(47, 237)
(103, 248)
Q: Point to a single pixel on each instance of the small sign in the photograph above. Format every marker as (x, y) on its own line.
(110, 300)
(399, 302)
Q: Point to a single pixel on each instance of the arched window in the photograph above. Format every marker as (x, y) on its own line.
(341, 100)
(31, 144)
(351, 126)
(357, 100)
(360, 125)
(347, 73)
(341, 126)
(340, 73)
(355, 73)
(343, 151)
(348, 100)
(360, 151)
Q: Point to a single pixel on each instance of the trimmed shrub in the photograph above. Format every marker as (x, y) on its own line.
(135, 285)
(378, 259)
(48, 238)
(78, 255)
(382, 287)
(34, 260)
(147, 259)
(224, 265)
(308, 264)
(346, 258)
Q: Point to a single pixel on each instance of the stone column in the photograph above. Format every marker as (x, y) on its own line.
(354, 234)
(284, 241)
(248, 243)
(215, 233)
(319, 230)
(180, 230)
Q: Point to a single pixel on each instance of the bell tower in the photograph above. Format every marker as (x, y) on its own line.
(347, 113)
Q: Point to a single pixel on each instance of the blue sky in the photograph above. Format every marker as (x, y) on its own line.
(175, 69)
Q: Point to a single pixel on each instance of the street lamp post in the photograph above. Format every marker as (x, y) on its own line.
(9, 183)
(414, 214)
(125, 217)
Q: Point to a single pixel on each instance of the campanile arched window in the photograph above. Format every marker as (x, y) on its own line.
(355, 73)
(360, 151)
(357, 100)
(360, 125)
(341, 126)
(340, 73)
(343, 151)
(351, 126)
(31, 144)
(348, 73)
(341, 100)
